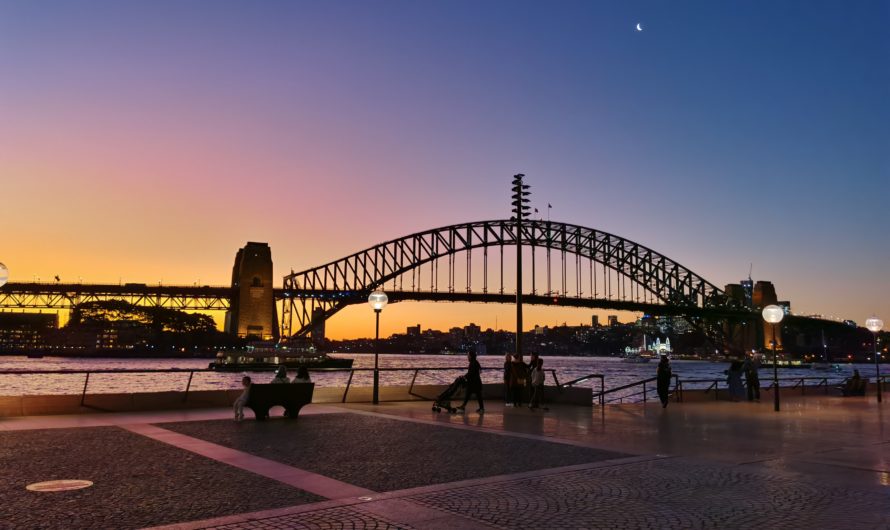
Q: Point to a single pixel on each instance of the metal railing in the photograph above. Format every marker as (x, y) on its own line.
(644, 383)
(799, 382)
(87, 373)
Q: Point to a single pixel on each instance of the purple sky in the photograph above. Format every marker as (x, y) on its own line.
(147, 141)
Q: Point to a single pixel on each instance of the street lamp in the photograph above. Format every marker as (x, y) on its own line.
(774, 314)
(378, 300)
(4, 275)
(875, 324)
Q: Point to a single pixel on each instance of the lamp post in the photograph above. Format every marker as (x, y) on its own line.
(4, 275)
(875, 324)
(378, 300)
(774, 314)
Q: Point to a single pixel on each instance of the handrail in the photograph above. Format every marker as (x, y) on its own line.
(678, 390)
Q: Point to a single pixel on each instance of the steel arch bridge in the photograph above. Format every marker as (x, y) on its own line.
(619, 271)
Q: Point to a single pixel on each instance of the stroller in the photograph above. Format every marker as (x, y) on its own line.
(444, 399)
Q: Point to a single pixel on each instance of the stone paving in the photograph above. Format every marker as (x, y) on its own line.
(384, 454)
(137, 482)
(820, 463)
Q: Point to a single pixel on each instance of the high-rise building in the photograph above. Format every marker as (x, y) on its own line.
(595, 321)
(613, 320)
(413, 331)
(252, 311)
(764, 294)
(748, 290)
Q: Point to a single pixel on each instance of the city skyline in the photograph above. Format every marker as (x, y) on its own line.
(147, 142)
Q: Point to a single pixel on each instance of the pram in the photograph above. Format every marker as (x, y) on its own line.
(444, 399)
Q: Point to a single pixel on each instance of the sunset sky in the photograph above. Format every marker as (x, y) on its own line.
(146, 141)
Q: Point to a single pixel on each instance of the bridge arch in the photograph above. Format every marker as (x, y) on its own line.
(320, 292)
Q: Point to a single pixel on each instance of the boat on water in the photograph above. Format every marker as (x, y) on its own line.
(646, 352)
(267, 357)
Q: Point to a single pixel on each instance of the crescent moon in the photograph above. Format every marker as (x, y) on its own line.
(639, 27)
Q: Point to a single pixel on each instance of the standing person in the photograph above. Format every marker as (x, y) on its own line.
(474, 383)
(280, 376)
(663, 380)
(238, 406)
(507, 390)
(532, 364)
(518, 379)
(752, 380)
(734, 380)
(537, 381)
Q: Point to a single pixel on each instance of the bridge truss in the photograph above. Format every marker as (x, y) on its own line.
(38, 295)
(590, 268)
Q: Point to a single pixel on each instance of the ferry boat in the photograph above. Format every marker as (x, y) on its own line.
(267, 357)
(646, 353)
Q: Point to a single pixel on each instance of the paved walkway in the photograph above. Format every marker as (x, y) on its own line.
(822, 462)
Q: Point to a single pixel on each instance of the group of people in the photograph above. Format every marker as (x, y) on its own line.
(280, 377)
(521, 379)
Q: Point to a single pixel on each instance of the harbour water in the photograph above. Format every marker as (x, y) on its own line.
(616, 373)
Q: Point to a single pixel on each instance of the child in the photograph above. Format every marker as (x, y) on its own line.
(242, 399)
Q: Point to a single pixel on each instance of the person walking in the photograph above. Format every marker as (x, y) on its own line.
(752, 380)
(663, 380)
(474, 383)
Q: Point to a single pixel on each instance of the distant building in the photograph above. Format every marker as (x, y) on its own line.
(252, 311)
(748, 290)
(472, 330)
(764, 294)
(613, 320)
(413, 331)
(595, 321)
(26, 330)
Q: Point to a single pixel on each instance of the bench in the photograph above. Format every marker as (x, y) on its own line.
(846, 389)
(291, 396)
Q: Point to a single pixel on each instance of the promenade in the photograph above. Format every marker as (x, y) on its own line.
(822, 462)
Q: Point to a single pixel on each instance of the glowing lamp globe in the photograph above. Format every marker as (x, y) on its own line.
(378, 300)
(874, 324)
(4, 275)
(773, 314)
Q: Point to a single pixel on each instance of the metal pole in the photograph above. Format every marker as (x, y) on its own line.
(519, 282)
(877, 366)
(375, 394)
(775, 371)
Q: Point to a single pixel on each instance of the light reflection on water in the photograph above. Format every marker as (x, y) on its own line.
(616, 373)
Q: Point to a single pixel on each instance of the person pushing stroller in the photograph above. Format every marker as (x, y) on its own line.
(473, 382)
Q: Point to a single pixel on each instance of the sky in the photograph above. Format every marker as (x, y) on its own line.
(147, 141)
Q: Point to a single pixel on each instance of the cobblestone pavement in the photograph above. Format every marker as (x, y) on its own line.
(329, 519)
(669, 493)
(387, 454)
(137, 482)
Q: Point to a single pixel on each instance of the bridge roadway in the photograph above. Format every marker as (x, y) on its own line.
(42, 295)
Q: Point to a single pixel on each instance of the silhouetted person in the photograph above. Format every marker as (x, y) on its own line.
(752, 380)
(238, 406)
(734, 380)
(302, 375)
(663, 380)
(537, 382)
(853, 385)
(518, 379)
(280, 376)
(474, 383)
(507, 390)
